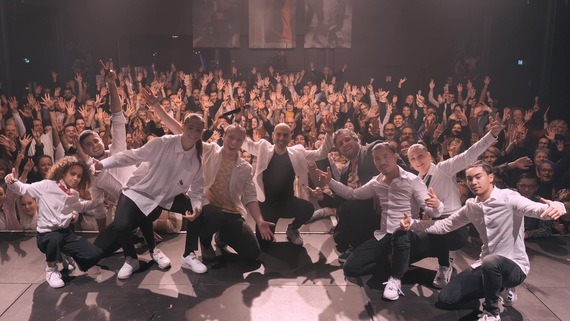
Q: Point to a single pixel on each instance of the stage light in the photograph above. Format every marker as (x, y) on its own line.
(174, 37)
(26, 60)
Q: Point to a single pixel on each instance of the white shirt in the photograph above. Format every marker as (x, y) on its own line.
(111, 181)
(47, 141)
(54, 205)
(405, 194)
(443, 179)
(499, 221)
(299, 157)
(241, 186)
(171, 171)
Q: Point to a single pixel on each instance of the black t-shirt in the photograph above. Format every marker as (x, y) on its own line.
(278, 179)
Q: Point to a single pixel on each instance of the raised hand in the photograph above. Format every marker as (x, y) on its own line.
(324, 178)
(29, 165)
(25, 141)
(406, 222)
(522, 163)
(151, 99)
(402, 81)
(554, 210)
(12, 178)
(496, 126)
(432, 201)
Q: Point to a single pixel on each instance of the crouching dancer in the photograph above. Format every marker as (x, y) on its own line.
(497, 214)
(58, 198)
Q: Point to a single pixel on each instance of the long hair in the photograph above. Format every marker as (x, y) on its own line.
(199, 146)
(60, 168)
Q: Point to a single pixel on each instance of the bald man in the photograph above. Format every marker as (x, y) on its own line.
(281, 178)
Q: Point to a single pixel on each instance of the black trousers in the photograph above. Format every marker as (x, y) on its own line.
(299, 209)
(233, 230)
(128, 216)
(416, 246)
(54, 244)
(357, 222)
(487, 281)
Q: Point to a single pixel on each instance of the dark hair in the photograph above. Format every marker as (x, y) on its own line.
(528, 175)
(68, 125)
(546, 161)
(84, 134)
(199, 145)
(60, 168)
(488, 169)
(384, 144)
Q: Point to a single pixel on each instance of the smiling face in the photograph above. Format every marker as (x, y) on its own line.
(233, 139)
(193, 128)
(420, 159)
(347, 145)
(93, 146)
(281, 136)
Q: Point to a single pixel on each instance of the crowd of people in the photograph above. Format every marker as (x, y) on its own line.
(166, 151)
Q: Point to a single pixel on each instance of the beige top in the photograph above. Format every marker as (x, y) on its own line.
(219, 192)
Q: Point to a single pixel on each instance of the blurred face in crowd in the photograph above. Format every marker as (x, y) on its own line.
(540, 156)
(70, 132)
(204, 100)
(291, 122)
(335, 156)
(543, 142)
(449, 98)
(349, 125)
(130, 141)
(489, 158)
(44, 165)
(454, 147)
(80, 125)
(456, 129)
(385, 160)
(347, 145)
(67, 94)
(463, 192)
(404, 145)
(408, 133)
(165, 103)
(38, 126)
(89, 104)
(254, 122)
(545, 173)
(398, 120)
(409, 100)
(389, 131)
(246, 156)
(29, 206)
(300, 140)
(213, 96)
(11, 131)
(518, 116)
(406, 111)
(2, 196)
(306, 90)
(527, 187)
(196, 94)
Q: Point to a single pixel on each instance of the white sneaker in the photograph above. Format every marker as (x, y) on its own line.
(192, 263)
(320, 214)
(131, 265)
(393, 289)
(486, 316)
(53, 277)
(68, 263)
(293, 235)
(509, 296)
(162, 260)
(442, 277)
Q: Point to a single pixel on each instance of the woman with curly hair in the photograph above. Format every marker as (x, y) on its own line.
(58, 199)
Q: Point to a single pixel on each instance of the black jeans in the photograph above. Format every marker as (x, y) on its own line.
(410, 247)
(357, 222)
(487, 281)
(232, 229)
(370, 255)
(54, 244)
(299, 209)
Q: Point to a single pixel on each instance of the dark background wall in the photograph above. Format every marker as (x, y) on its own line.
(418, 39)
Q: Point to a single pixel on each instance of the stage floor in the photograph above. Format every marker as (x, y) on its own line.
(288, 283)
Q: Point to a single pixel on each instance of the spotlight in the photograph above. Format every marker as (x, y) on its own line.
(26, 60)
(174, 37)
